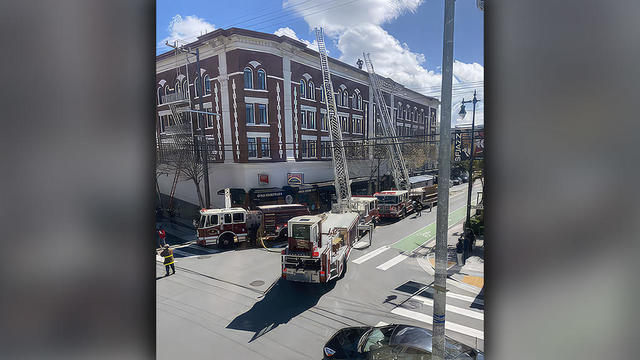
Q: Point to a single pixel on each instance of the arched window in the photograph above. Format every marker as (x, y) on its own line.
(178, 87)
(338, 97)
(354, 101)
(159, 95)
(322, 98)
(207, 85)
(312, 91)
(345, 98)
(166, 90)
(248, 78)
(262, 80)
(359, 102)
(303, 88)
(185, 88)
(196, 83)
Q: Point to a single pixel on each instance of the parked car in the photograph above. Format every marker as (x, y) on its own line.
(464, 177)
(456, 181)
(394, 341)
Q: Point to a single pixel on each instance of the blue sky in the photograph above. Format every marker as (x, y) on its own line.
(407, 33)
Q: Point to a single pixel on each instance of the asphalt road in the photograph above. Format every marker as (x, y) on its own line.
(233, 304)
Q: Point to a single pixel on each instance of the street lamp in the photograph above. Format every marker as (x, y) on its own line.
(461, 116)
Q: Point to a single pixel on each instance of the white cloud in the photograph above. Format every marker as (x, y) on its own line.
(186, 29)
(288, 32)
(357, 27)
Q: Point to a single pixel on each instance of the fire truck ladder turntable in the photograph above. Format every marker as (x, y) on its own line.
(398, 165)
(340, 170)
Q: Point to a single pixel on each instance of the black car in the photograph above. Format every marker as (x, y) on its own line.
(391, 342)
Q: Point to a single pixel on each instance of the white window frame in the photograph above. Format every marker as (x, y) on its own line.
(326, 120)
(258, 78)
(311, 95)
(305, 139)
(244, 78)
(253, 112)
(266, 115)
(302, 87)
(260, 147)
(255, 139)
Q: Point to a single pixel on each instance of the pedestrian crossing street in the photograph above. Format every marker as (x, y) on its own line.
(464, 313)
(190, 250)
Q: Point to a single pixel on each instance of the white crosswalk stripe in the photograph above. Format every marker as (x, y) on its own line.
(453, 309)
(448, 324)
(465, 298)
(392, 262)
(370, 255)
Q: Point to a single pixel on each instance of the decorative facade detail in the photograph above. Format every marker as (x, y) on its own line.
(235, 117)
(280, 139)
(219, 118)
(295, 120)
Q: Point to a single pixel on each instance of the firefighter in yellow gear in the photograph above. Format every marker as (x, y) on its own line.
(167, 254)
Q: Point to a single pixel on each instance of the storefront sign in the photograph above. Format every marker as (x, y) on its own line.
(269, 194)
(263, 179)
(295, 178)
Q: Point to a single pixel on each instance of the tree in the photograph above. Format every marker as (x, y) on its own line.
(177, 154)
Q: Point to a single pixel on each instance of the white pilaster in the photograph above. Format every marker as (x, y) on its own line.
(288, 114)
(226, 107)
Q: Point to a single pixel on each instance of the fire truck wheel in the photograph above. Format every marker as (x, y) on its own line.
(225, 241)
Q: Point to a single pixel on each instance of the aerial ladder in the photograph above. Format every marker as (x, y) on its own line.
(319, 246)
(398, 165)
(340, 170)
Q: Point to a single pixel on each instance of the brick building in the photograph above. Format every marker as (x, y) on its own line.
(269, 137)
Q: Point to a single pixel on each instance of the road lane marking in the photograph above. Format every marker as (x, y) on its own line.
(394, 261)
(370, 255)
(453, 309)
(447, 325)
(465, 298)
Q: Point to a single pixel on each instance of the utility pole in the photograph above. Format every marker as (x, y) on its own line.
(201, 122)
(444, 172)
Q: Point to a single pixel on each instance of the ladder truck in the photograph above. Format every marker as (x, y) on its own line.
(399, 202)
(319, 245)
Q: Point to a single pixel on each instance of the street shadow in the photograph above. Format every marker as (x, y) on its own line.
(285, 300)
(480, 296)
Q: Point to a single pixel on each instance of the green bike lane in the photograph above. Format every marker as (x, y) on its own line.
(413, 241)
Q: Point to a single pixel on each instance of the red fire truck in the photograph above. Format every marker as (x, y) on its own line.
(222, 226)
(232, 225)
(319, 246)
(367, 207)
(276, 217)
(394, 203)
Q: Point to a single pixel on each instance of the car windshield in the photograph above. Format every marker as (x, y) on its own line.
(301, 231)
(375, 338)
(202, 220)
(388, 199)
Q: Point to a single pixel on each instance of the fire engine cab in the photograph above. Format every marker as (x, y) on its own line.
(319, 246)
(222, 226)
(367, 207)
(394, 203)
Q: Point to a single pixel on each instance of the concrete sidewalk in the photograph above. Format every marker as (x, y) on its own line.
(471, 275)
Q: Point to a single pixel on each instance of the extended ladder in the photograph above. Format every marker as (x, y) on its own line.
(340, 170)
(398, 165)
